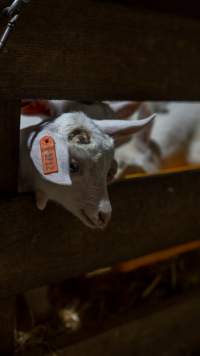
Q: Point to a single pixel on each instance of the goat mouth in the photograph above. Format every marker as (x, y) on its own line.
(89, 222)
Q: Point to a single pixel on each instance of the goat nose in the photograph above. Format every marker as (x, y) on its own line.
(104, 217)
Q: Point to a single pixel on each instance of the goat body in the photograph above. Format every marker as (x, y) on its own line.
(172, 139)
(84, 137)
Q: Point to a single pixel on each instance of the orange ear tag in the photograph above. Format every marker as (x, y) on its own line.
(48, 154)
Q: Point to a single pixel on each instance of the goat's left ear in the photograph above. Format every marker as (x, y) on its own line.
(121, 128)
(37, 107)
(50, 156)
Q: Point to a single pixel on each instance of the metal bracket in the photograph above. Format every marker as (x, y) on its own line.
(12, 12)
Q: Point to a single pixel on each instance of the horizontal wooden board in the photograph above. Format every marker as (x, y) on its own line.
(7, 326)
(167, 329)
(149, 214)
(101, 49)
(171, 6)
(172, 331)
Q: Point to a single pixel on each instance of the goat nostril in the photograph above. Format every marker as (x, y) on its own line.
(103, 217)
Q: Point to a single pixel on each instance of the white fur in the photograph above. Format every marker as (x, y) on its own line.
(89, 189)
(175, 132)
(87, 196)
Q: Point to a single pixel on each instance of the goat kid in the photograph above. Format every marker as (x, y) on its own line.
(85, 156)
(84, 140)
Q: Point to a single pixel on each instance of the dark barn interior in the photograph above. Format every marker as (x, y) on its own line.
(113, 50)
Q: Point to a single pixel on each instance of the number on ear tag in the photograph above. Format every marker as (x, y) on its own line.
(48, 154)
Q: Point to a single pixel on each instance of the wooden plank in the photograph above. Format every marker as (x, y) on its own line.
(9, 148)
(146, 330)
(171, 331)
(149, 214)
(7, 324)
(132, 52)
(171, 6)
(9, 143)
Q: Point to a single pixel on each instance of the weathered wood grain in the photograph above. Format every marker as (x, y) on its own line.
(171, 6)
(9, 148)
(170, 331)
(101, 49)
(169, 328)
(44, 247)
(7, 325)
(9, 144)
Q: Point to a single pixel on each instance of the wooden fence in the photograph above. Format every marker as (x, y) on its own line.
(87, 50)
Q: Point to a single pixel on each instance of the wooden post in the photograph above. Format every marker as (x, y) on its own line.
(9, 143)
(7, 322)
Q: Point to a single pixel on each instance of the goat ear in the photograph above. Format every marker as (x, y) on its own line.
(41, 200)
(120, 128)
(37, 107)
(58, 154)
(143, 136)
(124, 109)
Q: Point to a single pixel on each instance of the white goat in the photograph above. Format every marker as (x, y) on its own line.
(85, 156)
(172, 139)
(85, 150)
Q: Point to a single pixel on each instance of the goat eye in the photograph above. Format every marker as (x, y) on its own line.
(74, 166)
(79, 136)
